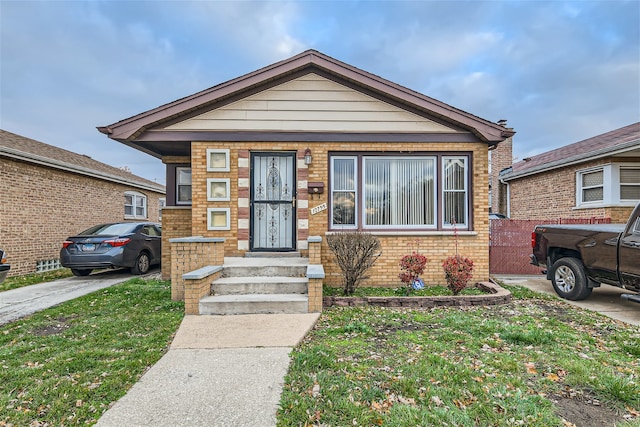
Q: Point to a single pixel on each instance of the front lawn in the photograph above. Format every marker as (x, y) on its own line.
(66, 365)
(534, 362)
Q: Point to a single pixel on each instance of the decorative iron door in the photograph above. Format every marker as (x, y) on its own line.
(273, 198)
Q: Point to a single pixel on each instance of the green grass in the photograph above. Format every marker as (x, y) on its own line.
(67, 364)
(34, 278)
(473, 366)
(434, 290)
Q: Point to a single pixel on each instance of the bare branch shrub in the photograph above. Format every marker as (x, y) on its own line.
(355, 253)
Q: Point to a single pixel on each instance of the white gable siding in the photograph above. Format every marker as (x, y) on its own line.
(311, 104)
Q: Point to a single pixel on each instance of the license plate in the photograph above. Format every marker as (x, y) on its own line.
(88, 247)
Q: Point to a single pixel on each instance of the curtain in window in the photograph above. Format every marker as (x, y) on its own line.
(629, 184)
(344, 191)
(454, 191)
(592, 186)
(399, 191)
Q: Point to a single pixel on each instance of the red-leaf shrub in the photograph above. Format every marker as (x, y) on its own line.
(412, 267)
(457, 271)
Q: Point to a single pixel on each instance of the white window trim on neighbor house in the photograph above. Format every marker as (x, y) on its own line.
(611, 186)
(137, 208)
(349, 186)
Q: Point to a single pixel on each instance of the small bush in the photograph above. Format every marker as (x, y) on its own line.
(355, 253)
(457, 271)
(411, 266)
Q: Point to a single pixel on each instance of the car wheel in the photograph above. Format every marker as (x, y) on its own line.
(569, 279)
(142, 264)
(82, 272)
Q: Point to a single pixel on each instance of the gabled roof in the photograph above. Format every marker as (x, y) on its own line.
(32, 151)
(137, 130)
(623, 140)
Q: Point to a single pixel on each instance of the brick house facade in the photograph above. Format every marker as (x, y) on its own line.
(311, 146)
(49, 194)
(595, 178)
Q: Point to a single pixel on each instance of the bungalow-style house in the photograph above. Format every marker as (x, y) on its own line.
(595, 178)
(49, 194)
(276, 159)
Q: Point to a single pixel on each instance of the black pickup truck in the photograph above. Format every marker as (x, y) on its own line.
(579, 258)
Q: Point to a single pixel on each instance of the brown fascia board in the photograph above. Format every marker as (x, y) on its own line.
(129, 129)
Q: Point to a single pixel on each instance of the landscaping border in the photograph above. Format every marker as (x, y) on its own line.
(495, 295)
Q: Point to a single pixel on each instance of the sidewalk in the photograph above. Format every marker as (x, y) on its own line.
(605, 299)
(220, 371)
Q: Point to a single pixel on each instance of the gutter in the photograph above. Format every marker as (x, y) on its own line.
(580, 158)
(56, 164)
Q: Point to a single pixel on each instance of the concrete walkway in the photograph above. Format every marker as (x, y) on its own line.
(605, 299)
(220, 371)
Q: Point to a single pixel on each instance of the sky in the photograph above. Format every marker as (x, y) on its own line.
(557, 71)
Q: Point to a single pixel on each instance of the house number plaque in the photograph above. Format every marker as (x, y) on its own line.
(318, 208)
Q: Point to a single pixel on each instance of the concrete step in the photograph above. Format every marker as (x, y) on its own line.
(254, 304)
(260, 285)
(264, 270)
(272, 255)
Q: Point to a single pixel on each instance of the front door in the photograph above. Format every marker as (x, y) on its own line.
(273, 198)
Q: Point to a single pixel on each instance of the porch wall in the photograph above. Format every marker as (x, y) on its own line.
(176, 222)
(435, 245)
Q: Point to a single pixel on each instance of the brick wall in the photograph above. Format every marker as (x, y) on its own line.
(436, 245)
(501, 158)
(41, 206)
(176, 222)
(552, 195)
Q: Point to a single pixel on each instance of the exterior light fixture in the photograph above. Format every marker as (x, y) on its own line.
(307, 156)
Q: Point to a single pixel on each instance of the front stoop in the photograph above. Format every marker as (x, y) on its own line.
(259, 286)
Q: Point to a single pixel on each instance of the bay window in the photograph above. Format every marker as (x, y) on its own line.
(399, 192)
(611, 184)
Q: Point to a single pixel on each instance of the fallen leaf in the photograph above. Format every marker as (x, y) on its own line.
(531, 368)
(437, 400)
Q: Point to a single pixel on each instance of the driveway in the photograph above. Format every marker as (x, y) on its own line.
(21, 302)
(605, 299)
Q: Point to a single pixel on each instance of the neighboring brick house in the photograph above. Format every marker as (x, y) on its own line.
(48, 194)
(311, 145)
(595, 178)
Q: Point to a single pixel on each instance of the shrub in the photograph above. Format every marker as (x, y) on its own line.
(457, 271)
(411, 266)
(355, 253)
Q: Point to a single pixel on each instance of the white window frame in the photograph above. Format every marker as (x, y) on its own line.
(227, 213)
(135, 197)
(360, 187)
(619, 183)
(446, 222)
(610, 186)
(227, 186)
(178, 201)
(210, 163)
(355, 191)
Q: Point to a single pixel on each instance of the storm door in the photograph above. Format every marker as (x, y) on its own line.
(273, 198)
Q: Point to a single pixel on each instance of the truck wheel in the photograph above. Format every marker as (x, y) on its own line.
(569, 279)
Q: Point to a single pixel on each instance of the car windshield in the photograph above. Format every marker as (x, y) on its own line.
(110, 230)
